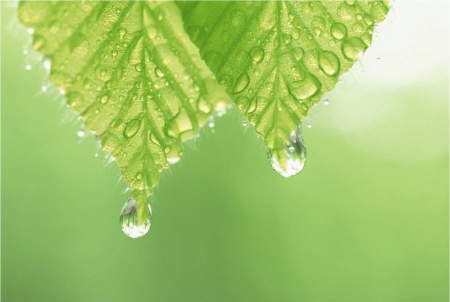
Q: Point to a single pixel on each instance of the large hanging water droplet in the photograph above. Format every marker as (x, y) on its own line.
(129, 220)
(290, 161)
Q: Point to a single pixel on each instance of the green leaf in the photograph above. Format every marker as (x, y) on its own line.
(131, 72)
(277, 58)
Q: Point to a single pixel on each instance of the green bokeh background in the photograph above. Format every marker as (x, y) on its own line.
(367, 219)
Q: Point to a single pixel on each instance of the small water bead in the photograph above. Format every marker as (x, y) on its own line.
(238, 17)
(338, 30)
(44, 88)
(129, 220)
(287, 38)
(122, 32)
(353, 48)
(62, 91)
(309, 126)
(329, 63)
(245, 123)
(159, 73)
(298, 53)
(326, 102)
(47, 63)
(30, 31)
(104, 99)
(257, 54)
(241, 83)
(132, 127)
(152, 31)
(378, 59)
(173, 149)
(81, 133)
(293, 158)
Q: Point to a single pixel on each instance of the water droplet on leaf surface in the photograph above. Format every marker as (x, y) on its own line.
(291, 160)
(129, 220)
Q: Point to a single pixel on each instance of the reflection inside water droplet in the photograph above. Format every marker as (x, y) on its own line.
(130, 222)
(290, 161)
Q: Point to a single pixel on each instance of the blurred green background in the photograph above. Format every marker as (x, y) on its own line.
(367, 219)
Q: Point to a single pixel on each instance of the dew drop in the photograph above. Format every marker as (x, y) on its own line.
(326, 102)
(309, 126)
(241, 83)
(290, 161)
(353, 48)
(30, 31)
(129, 219)
(81, 133)
(298, 53)
(47, 63)
(257, 54)
(173, 149)
(338, 30)
(245, 123)
(28, 67)
(132, 127)
(329, 63)
(152, 31)
(159, 73)
(122, 32)
(237, 17)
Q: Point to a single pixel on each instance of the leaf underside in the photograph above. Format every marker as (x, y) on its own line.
(133, 75)
(146, 75)
(277, 58)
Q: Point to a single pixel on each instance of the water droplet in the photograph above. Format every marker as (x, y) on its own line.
(122, 32)
(241, 83)
(378, 59)
(172, 149)
(104, 99)
(204, 106)
(291, 160)
(245, 123)
(152, 31)
(129, 219)
(338, 31)
(30, 31)
(46, 63)
(237, 17)
(28, 67)
(287, 38)
(44, 88)
(298, 53)
(353, 48)
(81, 133)
(158, 72)
(309, 126)
(329, 63)
(326, 102)
(132, 127)
(138, 67)
(257, 54)
(62, 91)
